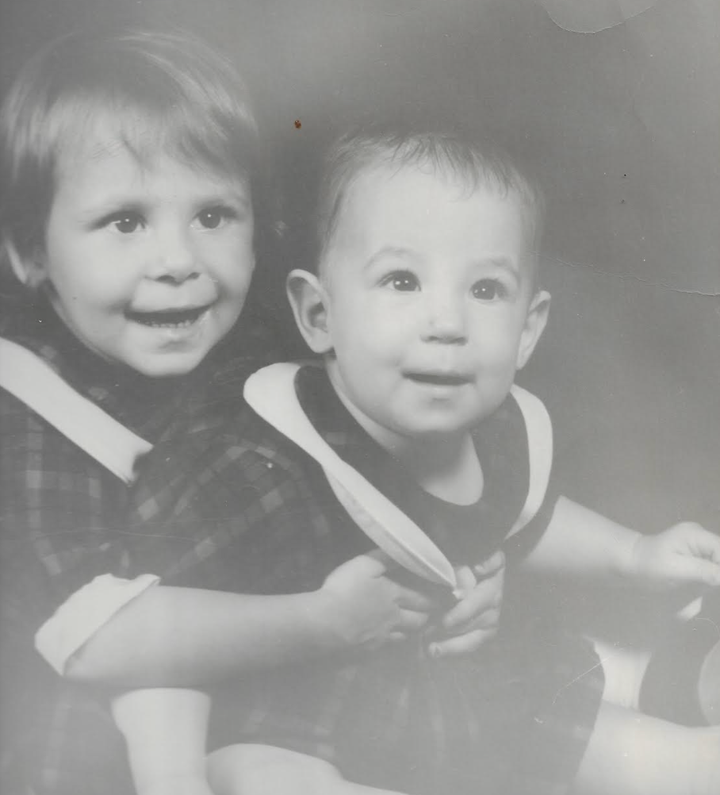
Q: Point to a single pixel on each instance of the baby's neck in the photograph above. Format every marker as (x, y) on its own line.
(448, 469)
(445, 466)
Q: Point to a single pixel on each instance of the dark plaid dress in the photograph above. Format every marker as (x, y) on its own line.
(61, 524)
(243, 509)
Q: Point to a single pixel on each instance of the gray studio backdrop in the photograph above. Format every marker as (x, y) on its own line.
(617, 103)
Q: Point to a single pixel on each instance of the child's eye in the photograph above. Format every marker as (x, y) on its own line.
(402, 281)
(488, 290)
(213, 217)
(126, 222)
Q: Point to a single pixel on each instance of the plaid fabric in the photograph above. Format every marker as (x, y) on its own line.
(256, 515)
(58, 529)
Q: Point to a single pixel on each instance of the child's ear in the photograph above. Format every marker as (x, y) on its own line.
(29, 269)
(535, 323)
(309, 301)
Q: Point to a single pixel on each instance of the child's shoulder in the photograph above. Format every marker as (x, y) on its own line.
(223, 459)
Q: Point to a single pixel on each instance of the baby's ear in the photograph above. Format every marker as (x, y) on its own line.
(535, 323)
(309, 301)
(28, 269)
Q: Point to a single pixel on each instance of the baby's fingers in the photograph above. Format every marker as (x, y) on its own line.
(461, 644)
(490, 566)
(478, 607)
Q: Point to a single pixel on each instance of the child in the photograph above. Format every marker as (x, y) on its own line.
(130, 170)
(426, 302)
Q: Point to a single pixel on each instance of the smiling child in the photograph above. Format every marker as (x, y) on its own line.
(132, 203)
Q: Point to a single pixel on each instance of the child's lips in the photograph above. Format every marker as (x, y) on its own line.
(168, 318)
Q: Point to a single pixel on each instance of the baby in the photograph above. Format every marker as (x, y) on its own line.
(426, 302)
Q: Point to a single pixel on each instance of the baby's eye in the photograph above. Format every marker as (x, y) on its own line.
(488, 290)
(402, 281)
(213, 217)
(126, 221)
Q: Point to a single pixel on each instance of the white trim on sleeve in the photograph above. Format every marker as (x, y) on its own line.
(83, 613)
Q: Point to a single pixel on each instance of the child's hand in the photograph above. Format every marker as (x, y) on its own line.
(366, 608)
(474, 619)
(677, 559)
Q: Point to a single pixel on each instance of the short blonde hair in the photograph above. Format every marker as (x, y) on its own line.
(189, 102)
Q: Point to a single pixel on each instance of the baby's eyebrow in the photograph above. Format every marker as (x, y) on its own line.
(500, 263)
(395, 252)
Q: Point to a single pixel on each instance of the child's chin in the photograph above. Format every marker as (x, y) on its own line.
(168, 365)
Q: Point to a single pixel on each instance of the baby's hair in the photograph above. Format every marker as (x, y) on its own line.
(157, 93)
(473, 162)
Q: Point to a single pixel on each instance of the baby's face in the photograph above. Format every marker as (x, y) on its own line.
(148, 265)
(431, 301)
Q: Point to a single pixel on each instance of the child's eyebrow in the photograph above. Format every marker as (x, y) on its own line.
(396, 252)
(141, 202)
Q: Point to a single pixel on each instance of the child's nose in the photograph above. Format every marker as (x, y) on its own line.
(175, 257)
(445, 319)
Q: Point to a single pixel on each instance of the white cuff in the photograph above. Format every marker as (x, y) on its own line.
(84, 612)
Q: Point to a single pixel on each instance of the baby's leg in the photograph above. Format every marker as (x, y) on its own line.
(267, 770)
(634, 754)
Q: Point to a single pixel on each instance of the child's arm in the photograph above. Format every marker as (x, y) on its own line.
(172, 636)
(165, 730)
(586, 545)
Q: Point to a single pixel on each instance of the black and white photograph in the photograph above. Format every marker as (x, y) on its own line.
(359, 397)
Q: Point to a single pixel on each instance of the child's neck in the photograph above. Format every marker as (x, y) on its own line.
(445, 466)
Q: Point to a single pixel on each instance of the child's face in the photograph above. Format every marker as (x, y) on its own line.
(431, 304)
(148, 265)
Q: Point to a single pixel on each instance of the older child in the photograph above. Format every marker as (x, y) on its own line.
(425, 305)
(130, 170)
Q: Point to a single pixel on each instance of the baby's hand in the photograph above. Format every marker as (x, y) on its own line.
(474, 619)
(678, 559)
(365, 608)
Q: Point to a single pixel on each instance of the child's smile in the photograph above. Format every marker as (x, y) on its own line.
(148, 265)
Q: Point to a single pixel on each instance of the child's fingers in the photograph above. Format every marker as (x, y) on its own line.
(461, 644)
(490, 566)
(465, 581)
(413, 600)
(412, 621)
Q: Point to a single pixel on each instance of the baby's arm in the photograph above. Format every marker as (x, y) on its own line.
(585, 545)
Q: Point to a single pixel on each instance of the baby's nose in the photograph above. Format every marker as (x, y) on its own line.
(446, 321)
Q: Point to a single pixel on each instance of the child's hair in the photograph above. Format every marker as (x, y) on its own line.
(471, 161)
(159, 92)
